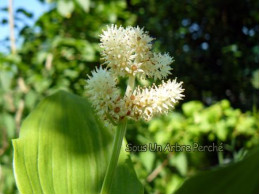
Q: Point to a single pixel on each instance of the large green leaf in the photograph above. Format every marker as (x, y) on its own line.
(63, 148)
(238, 178)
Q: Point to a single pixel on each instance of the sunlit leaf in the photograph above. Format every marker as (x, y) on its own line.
(84, 4)
(63, 148)
(191, 107)
(65, 8)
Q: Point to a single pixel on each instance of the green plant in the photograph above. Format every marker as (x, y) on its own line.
(127, 52)
(42, 159)
(218, 124)
(61, 47)
(63, 148)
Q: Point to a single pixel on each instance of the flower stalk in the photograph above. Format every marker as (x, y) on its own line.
(130, 85)
(127, 52)
(118, 140)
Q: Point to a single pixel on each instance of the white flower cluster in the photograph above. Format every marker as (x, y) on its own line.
(148, 102)
(104, 94)
(127, 52)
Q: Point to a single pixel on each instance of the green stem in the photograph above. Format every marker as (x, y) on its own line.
(130, 86)
(111, 119)
(109, 177)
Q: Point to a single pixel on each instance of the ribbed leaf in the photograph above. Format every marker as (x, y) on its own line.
(63, 148)
(238, 178)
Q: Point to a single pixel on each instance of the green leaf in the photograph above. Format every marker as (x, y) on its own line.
(147, 159)
(179, 160)
(237, 178)
(9, 123)
(84, 4)
(192, 107)
(24, 12)
(63, 148)
(65, 8)
(5, 79)
(7, 182)
(222, 130)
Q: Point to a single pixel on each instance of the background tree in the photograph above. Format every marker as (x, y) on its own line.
(215, 45)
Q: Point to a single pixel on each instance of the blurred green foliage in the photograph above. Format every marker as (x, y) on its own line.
(219, 124)
(215, 45)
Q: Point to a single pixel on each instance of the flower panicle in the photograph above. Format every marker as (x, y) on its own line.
(127, 52)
